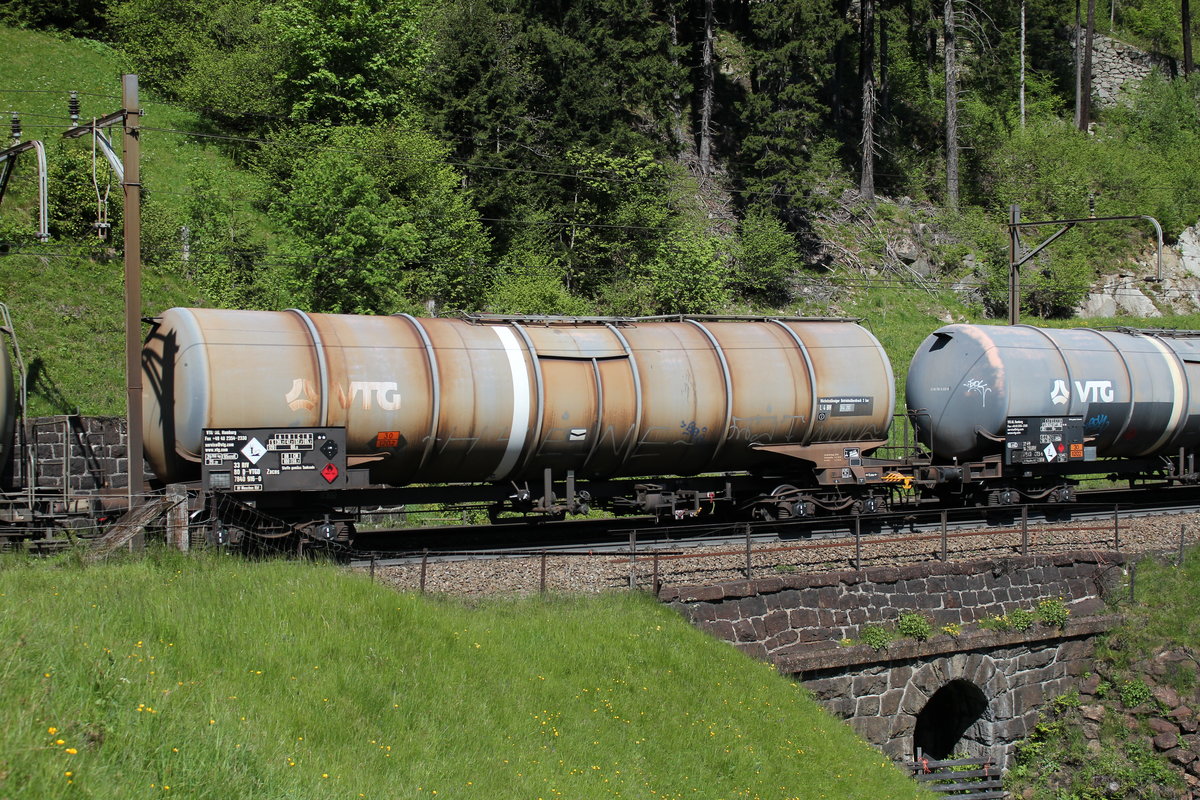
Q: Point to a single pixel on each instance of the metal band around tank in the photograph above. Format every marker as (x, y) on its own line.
(637, 393)
(1062, 357)
(812, 379)
(539, 384)
(322, 366)
(728, 387)
(1128, 381)
(518, 429)
(435, 383)
(599, 426)
(1178, 398)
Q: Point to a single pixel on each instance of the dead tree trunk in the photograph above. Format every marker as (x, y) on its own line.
(1185, 15)
(707, 90)
(951, 66)
(1085, 81)
(866, 183)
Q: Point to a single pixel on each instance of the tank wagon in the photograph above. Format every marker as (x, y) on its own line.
(1006, 409)
(290, 423)
(537, 415)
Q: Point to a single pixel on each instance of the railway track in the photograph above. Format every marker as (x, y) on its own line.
(644, 536)
(581, 571)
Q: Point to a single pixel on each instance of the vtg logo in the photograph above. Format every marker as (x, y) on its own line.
(383, 394)
(1095, 391)
(1088, 392)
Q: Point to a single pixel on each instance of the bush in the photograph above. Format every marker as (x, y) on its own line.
(1053, 613)
(1021, 619)
(1134, 692)
(914, 626)
(765, 258)
(876, 636)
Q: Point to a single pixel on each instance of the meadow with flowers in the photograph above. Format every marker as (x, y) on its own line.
(214, 677)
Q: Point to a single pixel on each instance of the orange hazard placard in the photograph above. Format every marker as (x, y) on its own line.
(1076, 451)
(387, 439)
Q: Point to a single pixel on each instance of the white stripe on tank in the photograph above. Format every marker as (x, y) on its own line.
(1177, 399)
(519, 428)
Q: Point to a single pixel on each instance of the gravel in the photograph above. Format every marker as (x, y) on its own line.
(683, 566)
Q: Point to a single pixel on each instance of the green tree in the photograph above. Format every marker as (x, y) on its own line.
(82, 192)
(78, 17)
(347, 60)
(619, 214)
(382, 221)
(344, 61)
(765, 259)
(791, 47)
(225, 257)
(688, 274)
(532, 274)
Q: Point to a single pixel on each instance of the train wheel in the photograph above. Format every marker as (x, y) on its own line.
(866, 505)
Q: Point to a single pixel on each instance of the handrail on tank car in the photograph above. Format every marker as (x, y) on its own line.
(481, 318)
(1173, 333)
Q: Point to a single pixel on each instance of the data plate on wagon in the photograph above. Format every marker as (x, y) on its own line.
(1043, 440)
(273, 459)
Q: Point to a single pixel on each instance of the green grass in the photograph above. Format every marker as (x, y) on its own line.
(221, 678)
(1164, 615)
(68, 308)
(1055, 761)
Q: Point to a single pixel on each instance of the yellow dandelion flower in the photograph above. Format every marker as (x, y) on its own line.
(52, 730)
(72, 751)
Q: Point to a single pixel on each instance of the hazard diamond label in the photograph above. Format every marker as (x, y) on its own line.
(254, 450)
(330, 473)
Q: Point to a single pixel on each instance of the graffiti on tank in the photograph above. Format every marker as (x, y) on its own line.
(610, 442)
(978, 387)
(1097, 424)
(692, 433)
(770, 428)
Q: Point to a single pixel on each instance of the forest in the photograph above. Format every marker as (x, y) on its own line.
(631, 156)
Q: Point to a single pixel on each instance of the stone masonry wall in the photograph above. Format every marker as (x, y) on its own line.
(784, 615)
(799, 622)
(1115, 64)
(1015, 676)
(87, 454)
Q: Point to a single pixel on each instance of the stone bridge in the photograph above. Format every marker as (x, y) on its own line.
(974, 690)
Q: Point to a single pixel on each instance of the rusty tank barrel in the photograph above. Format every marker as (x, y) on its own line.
(499, 399)
(1133, 389)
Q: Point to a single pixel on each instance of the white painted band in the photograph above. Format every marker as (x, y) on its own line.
(519, 429)
(1177, 399)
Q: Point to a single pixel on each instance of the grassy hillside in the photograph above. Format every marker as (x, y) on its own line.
(208, 677)
(1099, 738)
(68, 306)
